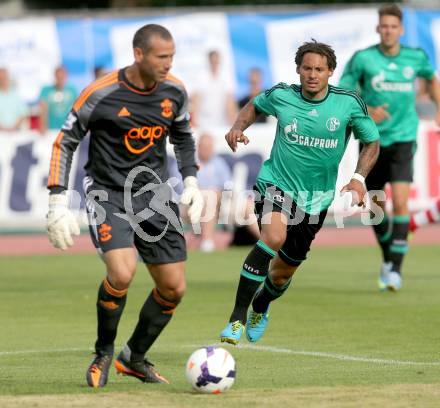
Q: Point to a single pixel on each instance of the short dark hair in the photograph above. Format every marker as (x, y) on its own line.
(316, 48)
(142, 37)
(213, 53)
(390, 9)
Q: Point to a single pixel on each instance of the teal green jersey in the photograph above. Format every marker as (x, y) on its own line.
(310, 140)
(59, 103)
(389, 80)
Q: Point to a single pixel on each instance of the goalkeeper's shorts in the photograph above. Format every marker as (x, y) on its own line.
(149, 222)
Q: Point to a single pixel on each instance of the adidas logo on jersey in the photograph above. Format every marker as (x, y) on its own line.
(313, 113)
(124, 112)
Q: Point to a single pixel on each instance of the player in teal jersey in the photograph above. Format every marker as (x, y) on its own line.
(296, 184)
(385, 75)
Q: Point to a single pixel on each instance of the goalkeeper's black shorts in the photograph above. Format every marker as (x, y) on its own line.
(149, 222)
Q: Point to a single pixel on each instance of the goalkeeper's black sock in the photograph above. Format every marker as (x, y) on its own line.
(254, 272)
(110, 305)
(267, 294)
(153, 317)
(383, 236)
(399, 241)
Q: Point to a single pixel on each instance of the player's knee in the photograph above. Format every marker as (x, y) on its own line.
(120, 278)
(280, 281)
(178, 292)
(174, 293)
(273, 240)
(281, 276)
(121, 282)
(401, 209)
(120, 272)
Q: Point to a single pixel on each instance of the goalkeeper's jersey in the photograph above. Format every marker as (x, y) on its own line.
(310, 140)
(128, 129)
(389, 80)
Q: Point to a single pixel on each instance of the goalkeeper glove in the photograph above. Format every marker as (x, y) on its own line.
(192, 196)
(61, 223)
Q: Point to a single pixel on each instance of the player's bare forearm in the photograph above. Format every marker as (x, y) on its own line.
(378, 113)
(368, 157)
(433, 87)
(246, 117)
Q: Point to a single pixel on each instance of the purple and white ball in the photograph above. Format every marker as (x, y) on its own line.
(211, 370)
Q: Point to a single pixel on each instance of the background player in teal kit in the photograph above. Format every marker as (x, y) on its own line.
(296, 184)
(385, 75)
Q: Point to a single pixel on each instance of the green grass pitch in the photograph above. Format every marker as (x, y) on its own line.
(333, 339)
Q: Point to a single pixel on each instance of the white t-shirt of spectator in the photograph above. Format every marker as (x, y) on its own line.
(213, 92)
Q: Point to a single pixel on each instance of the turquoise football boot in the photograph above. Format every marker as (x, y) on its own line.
(232, 332)
(256, 325)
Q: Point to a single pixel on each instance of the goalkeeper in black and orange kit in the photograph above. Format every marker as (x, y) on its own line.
(129, 114)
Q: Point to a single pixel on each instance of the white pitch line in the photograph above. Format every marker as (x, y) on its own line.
(335, 356)
(269, 349)
(64, 350)
(69, 350)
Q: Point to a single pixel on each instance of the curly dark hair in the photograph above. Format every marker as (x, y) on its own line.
(390, 9)
(142, 37)
(316, 48)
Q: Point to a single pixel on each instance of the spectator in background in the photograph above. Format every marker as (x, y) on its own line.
(213, 102)
(255, 80)
(425, 107)
(13, 111)
(237, 210)
(56, 101)
(213, 173)
(99, 71)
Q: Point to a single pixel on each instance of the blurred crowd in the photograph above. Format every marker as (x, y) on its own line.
(213, 105)
(213, 100)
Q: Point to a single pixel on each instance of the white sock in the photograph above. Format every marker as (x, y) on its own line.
(429, 216)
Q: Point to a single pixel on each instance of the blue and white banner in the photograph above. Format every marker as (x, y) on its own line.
(25, 158)
(29, 49)
(194, 40)
(346, 31)
(435, 33)
(32, 47)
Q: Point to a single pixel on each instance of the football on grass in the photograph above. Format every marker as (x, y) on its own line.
(211, 370)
